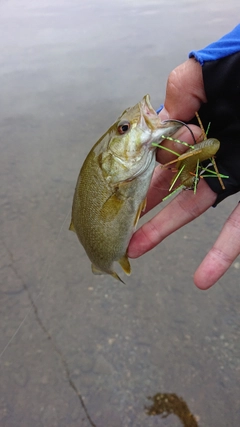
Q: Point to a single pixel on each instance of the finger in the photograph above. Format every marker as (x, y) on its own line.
(185, 91)
(185, 207)
(223, 253)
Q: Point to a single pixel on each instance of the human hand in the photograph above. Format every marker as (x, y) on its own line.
(184, 95)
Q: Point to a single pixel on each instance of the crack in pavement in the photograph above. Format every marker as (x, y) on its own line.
(47, 333)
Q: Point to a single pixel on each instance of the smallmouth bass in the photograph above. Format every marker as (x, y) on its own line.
(112, 185)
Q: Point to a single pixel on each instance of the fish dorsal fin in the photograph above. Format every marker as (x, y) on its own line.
(71, 227)
(111, 207)
(125, 264)
(141, 208)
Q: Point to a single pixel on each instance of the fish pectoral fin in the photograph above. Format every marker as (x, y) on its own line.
(71, 227)
(111, 207)
(97, 271)
(141, 208)
(125, 264)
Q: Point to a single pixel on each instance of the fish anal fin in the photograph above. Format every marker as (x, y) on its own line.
(141, 208)
(125, 264)
(96, 270)
(71, 227)
(111, 208)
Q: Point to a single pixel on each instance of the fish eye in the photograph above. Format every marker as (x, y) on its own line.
(123, 127)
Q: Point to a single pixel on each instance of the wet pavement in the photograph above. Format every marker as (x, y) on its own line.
(80, 350)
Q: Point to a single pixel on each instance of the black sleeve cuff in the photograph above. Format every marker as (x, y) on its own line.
(222, 86)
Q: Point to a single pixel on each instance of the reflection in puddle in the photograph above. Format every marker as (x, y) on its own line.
(165, 404)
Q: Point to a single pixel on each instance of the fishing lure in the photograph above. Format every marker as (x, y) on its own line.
(188, 165)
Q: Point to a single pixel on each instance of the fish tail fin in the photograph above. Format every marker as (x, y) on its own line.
(116, 276)
(125, 264)
(97, 271)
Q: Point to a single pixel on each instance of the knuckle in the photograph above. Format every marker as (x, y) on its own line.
(222, 256)
(173, 82)
(234, 223)
(187, 204)
(151, 233)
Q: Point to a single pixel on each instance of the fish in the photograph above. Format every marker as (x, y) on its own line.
(112, 185)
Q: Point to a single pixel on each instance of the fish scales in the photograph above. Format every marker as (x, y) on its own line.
(112, 186)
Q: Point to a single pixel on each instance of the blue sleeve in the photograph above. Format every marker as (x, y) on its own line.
(227, 45)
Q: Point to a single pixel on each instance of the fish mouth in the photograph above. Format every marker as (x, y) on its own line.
(146, 107)
(153, 120)
(150, 116)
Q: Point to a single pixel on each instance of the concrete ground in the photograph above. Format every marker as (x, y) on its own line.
(80, 350)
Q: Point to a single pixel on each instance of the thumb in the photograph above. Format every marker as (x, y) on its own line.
(185, 92)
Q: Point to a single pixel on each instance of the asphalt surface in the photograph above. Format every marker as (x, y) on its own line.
(80, 350)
